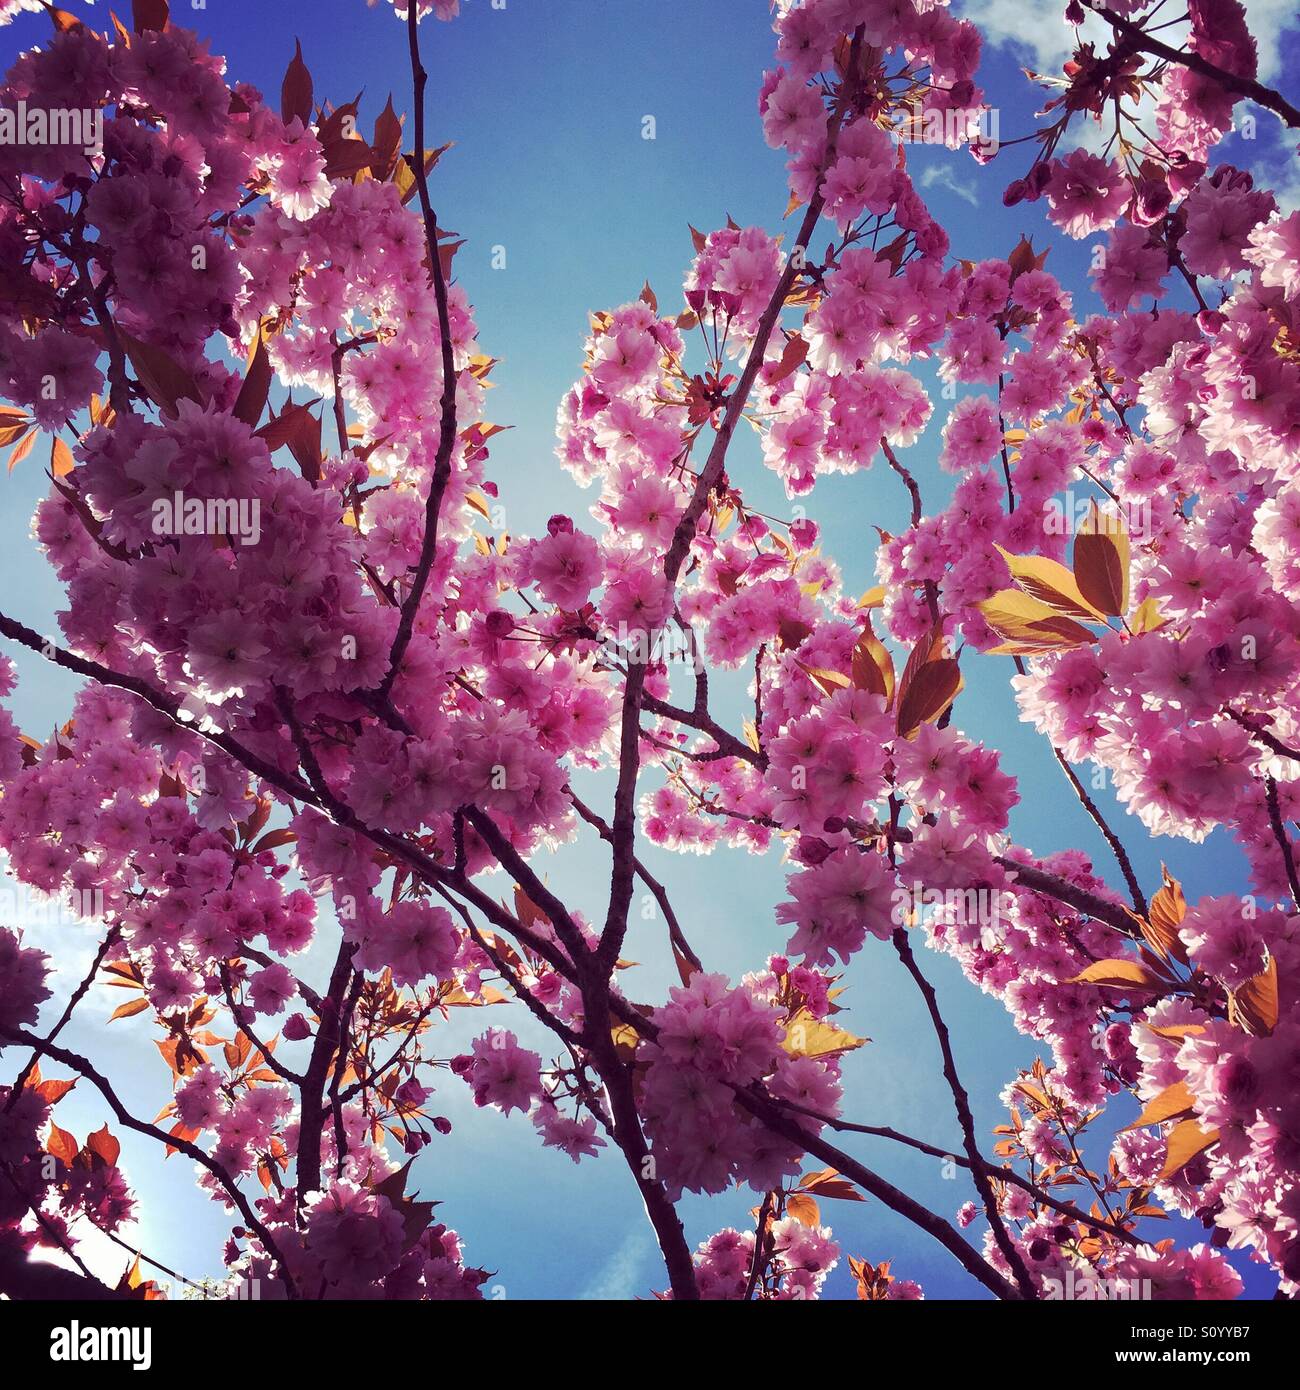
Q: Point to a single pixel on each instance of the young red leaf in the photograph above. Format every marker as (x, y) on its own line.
(296, 89)
(149, 14)
(102, 1144)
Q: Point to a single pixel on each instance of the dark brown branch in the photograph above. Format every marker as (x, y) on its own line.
(313, 999)
(311, 1106)
(675, 933)
(965, 1119)
(760, 1247)
(1052, 886)
(1089, 805)
(1269, 740)
(931, 588)
(83, 1067)
(729, 745)
(1113, 840)
(105, 946)
(336, 1076)
(1242, 86)
(515, 864)
(772, 1115)
(56, 1237)
(163, 702)
(240, 1013)
(1282, 838)
(447, 407)
(620, 895)
(530, 1001)
(994, 1170)
(626, 1131)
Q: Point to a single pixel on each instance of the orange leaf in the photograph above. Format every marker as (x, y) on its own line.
(1022, 258)
(527, 910)
(928, 648)
(808, 1036)
(104, 1145)
(386, 141)
(872, 666)
(625, 1039)
(61, 460)
(1029, 625)
(828, 1183)
(180, 1131)
(1147, 617)
(297, 427)
(273, 839)
(685, 969)
(1168, 908)
(1050, 583)
(1101, 562)
(63, 21)
(162, 377)
(935, 686)
(1173, 1101)
(1186, 1141)
(1120, 974)
(796, 350)
(826, 680)
(803, 1209)
(1253, 1007)
(129, 1009)
(1175, 1030)
(62, 1145)
(403, 174)
(24, 447)
(53, 1091)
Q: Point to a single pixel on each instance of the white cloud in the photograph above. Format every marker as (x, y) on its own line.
(622, 1276)
(1268, 20)
(1034, 31)
(943, 176)
(1039, 31)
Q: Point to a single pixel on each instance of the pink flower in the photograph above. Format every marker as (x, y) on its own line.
(1085, 193)
(272, 988)
(22, 982)
(575, 1136)
(502, 1073)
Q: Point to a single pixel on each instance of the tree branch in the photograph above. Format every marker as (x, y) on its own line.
(1242, 86)
(84, 1068)
(771, 1115)
(447, 407)
(964, 1117)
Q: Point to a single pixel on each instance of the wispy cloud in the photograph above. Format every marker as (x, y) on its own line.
(942, 176)
(1041, 33)
(623, 1275)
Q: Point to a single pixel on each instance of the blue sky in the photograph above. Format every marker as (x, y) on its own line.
(545, 101)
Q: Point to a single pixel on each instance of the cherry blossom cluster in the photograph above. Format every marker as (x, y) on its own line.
(345, 708)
